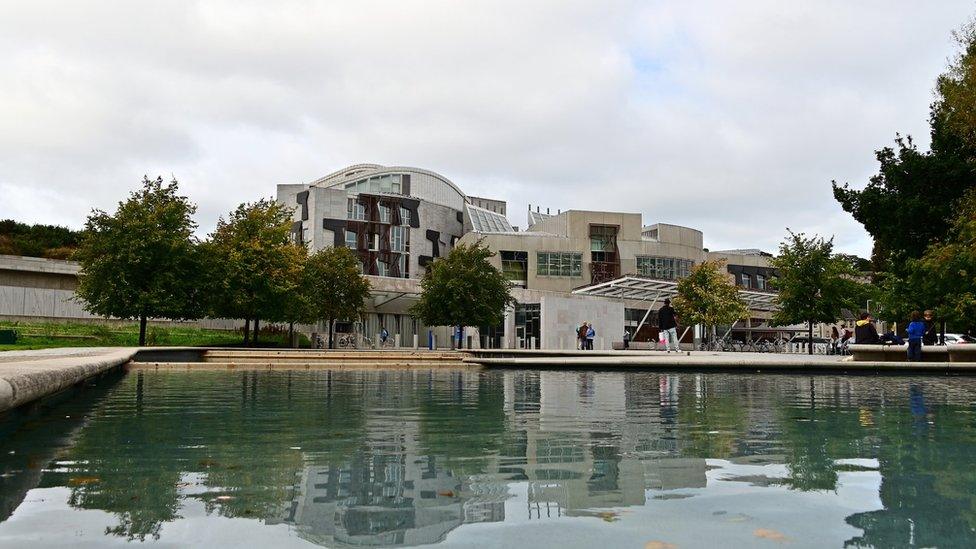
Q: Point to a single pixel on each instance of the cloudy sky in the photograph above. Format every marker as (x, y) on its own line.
(731, 117)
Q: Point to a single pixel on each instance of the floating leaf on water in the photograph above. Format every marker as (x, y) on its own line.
(446, 493)
(608, 516)
(766, 533)
(658, 544)
(83, 481)
(224, 498)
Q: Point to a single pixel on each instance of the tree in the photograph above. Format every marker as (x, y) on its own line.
(141, 262)
(707, 296)
(255, 265)
(908, 205)
(813, 283)
(945, 277)
(463, 289)
(334, 287)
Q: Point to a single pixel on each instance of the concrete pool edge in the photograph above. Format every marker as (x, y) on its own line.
(38, 375)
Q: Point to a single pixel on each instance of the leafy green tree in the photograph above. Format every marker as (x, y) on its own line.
(908, 205)
(813, 283)
(708, 296)
(954, 111)
(255, 265)
(334, 287)
(141, 261)
(463, 289)
(49, 241)
(945, 277)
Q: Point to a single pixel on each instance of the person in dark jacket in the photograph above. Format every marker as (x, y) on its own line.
(931, 336)
(864, 331)
(667, 322)
(916, 329)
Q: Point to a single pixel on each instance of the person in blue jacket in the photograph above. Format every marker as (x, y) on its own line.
(916, 329)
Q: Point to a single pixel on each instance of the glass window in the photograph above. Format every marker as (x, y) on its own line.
(746, 281)
(382, 268)
(404, 216)
(665, 268)
(402, 260)
(355, 210)
(760, 282)
(351, 239)
(568, 264)
(384, 214)
(515, 266)
(398, 239)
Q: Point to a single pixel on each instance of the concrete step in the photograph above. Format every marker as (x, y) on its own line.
(312, 365)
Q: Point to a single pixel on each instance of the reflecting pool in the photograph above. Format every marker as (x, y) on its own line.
(494, 458)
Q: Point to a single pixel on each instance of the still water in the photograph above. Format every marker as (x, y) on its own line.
(496, 458)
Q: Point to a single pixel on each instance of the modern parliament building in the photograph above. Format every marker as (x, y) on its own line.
(605, 268)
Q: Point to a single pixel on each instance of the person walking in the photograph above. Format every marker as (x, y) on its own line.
(383, 336)
(581, 336)
(916, 330)
(626, 340)
(590, 335)
(667, 322)
(931, 336)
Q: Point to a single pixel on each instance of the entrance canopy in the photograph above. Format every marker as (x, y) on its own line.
(641, 288)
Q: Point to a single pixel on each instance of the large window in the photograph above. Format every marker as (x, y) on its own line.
(351, 239)
(515, 266)
(384, 214)
(746, 281)
(404, 216)
(666, 268)
(382, 268)
(568, 264)
(355, 210)
(380, 184)
(760, 282)
(398, 239)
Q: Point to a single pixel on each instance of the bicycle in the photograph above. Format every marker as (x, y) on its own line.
(346, 341)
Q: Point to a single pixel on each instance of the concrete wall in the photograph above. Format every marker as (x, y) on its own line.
(561, 315)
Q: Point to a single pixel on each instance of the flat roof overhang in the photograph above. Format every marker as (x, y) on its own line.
(639, 288)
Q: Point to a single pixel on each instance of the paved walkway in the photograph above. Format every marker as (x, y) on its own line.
(29, 375)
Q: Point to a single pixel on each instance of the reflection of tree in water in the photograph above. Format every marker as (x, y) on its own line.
(928, 483)
(403, 457)
(138, 449)
(816, 431)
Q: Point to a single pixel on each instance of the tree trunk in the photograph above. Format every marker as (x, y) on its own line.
(142, 331)
(257, 331)
(247, 331)
(810, 337)
(291, 334)
(331, 332)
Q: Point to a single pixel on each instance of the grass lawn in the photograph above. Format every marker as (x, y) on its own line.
(44, 335)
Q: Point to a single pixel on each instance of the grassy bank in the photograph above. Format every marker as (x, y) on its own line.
(44, 335)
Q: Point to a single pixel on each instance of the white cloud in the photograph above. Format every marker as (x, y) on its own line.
(729, 117)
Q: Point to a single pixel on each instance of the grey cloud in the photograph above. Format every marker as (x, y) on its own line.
(729, 117)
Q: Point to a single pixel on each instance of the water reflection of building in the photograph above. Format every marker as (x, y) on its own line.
(390, 491)
(593, 441)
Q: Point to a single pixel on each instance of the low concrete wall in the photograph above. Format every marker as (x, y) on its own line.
(28, 376)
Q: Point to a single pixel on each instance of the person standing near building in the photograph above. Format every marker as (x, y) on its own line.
(916, 330)
(667, 322)
(590, 336)
(581, 336)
